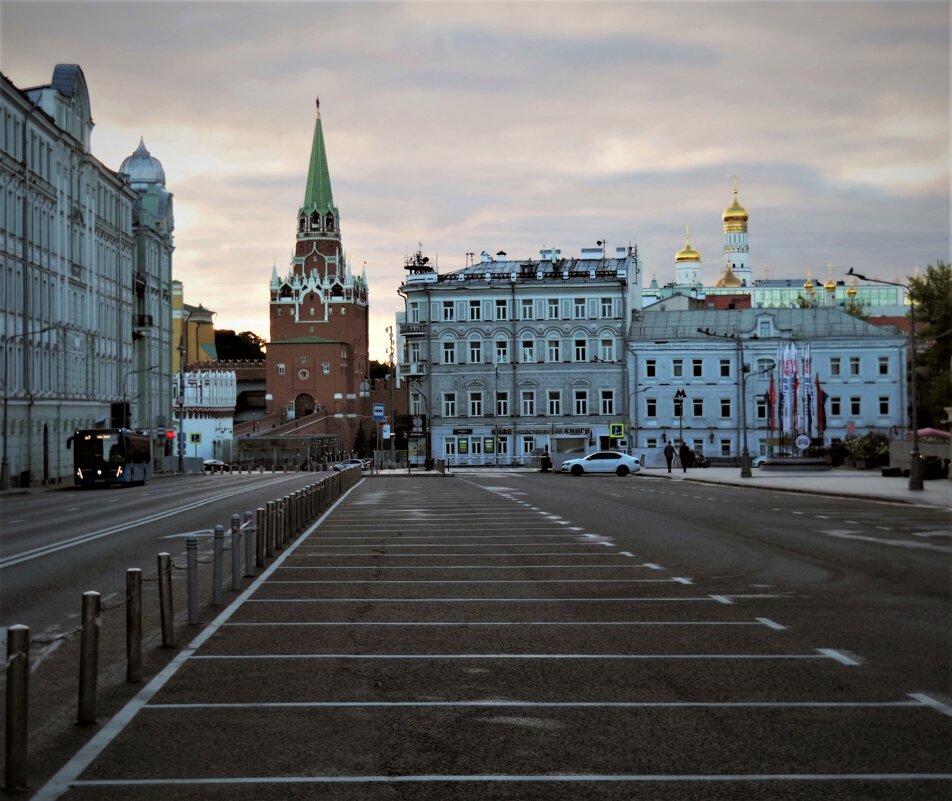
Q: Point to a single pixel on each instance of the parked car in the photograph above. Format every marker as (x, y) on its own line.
(214, 466)
(361, 463)
(602, 462)
(757, 461)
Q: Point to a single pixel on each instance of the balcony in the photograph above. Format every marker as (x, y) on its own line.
(411, 369)
(413, 329)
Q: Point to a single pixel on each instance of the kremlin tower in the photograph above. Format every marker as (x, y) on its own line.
(735, 245)
(317, 356)
(687, 271)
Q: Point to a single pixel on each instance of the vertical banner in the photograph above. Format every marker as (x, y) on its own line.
(820, 407)
(772, 404)
(807, 392)
(788, 389)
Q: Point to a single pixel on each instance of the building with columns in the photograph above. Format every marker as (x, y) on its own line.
(85, 280)
(316, 365)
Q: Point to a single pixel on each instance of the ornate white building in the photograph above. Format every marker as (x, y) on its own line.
(85, 272)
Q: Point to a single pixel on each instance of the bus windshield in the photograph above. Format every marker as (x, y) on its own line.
(105, 446)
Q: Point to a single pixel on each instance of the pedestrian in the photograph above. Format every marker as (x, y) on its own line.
(669, 455)
(684, 454)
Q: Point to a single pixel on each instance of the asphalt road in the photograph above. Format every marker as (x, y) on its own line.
(528, 636)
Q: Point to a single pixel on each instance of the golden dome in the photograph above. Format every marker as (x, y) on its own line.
(830, 285)
(735, 212)
(808, 286)
(687, 253)
(851, 291)
(728, 279)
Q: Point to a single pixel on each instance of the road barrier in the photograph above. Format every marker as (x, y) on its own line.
(268, 529)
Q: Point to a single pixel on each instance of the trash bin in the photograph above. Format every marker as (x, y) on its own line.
(545, 463)
(428, 464)
(441, 466)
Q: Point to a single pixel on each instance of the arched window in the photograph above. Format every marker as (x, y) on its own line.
(315, 220)
(329, 222)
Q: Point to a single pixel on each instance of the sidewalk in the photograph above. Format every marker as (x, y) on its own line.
(868, 484)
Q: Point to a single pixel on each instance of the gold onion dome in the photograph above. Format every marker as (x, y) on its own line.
(851, 292)
(728, 279)
(735, 212)
(687, 253)
(830, 285)
(808, 286)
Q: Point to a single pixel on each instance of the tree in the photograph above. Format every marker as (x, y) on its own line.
(377, 370)
(932, 295)
(231, 346)
(855, 309)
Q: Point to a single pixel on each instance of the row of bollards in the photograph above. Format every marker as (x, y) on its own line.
(268, 530)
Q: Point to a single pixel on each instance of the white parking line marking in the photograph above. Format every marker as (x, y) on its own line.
(721, 599)
(625, 553)
(545, 657)
(480, 581)
(770, 624)
(653, 566)
(616, 566)
(923, 546)
(502, 623)
(929, 701)
(840, 657)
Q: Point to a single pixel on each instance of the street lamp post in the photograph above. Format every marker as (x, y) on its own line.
(915, 467)
(679, 397)
(125, 394)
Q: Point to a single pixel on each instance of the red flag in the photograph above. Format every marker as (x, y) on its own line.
(820, 407)
(771, 412)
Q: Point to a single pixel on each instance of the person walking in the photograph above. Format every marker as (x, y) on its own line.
(684, 454)
(669, 455)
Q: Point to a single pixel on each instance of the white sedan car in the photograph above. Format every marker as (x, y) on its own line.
(620, 464)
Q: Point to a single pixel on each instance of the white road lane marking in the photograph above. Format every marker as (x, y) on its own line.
(846, 534)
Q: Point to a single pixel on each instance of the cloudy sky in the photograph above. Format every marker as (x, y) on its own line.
(513, 126)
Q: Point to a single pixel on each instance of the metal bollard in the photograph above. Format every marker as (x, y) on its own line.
(250, 536)
(89, 658)
(191, 577)
(269, 526)
(133, 625)
(166, 618)
(286, 527)
(260, 535)
(17, 708)
(218, 561)
(235, 552)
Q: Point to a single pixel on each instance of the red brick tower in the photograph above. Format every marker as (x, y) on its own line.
(317, 356)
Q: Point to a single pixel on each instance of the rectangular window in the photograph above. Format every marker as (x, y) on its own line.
(855, 406)
(761, 408)
(884, 365)
(528, 401)
(448, 313)
(725, 447)
(651, 367)
(581, 401)
(414, 312)
(552, 309)
(608, 401)
(834, 365)
(555, 402)
(854, 365)
(581, 350)
(281, 369)
(607, 350)
(835, 410)
(475, 310)
(554, 350)
(502, 404)
(884, 406)
(763, 329)
(579, 308)
(608, 308)
(528, 445)
(475, 352)
(528, 351)
(525, 309)
(476, 446)
(725, 407)
(449, 353)
(698, 407)
(449, 404)
(502, 310)
(502, 351)
(677, 368)
(677, 404)
(449, 446)
(725, 365)
(475, 404)
(502, 446)
(651, 407)
(651, 442)
(697, 368)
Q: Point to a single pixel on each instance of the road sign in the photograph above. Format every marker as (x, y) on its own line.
(616, 430)
(378, 412)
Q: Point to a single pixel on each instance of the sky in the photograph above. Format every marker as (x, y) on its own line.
(465, 127)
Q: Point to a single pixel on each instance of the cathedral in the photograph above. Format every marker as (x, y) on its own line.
(317, 355)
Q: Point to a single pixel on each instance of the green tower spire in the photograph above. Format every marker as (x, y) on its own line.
(317, 194)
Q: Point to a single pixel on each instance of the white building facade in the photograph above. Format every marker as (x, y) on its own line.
(688, 385)
(207, 422)
(76, 301)
(509, 360)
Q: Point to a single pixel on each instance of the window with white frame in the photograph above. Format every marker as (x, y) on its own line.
(525, 307)
(528, 401)
(282, 369)
(579, 308)
(554, 350)
(651, 407)
(677, 368)
(581, 401)
(448, 310)
(884, 365)
(725, 407)
(608, 308)
(475, 404)
(725, 365)
(677, 407)
(552, 309)
(528, 445)
(502, 404)
(581, 350)
(763, 329)
(449, 353)
(502, 310)
(502, 351)
(697, 405)
(475, 310)
(475, 351)
(528, 351)
(326, 368)
(854, 365)
(761, 407)
(414, 312)
(607, 350)
(834, 365)
(502, 446)
(697, 368)
(554, 402)
(476, 445)
(449, 404)
(449, 446)
(416, 403)
(855, 406)
(835, 407)
(413, 352)
(725, 447)
(608, 401)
